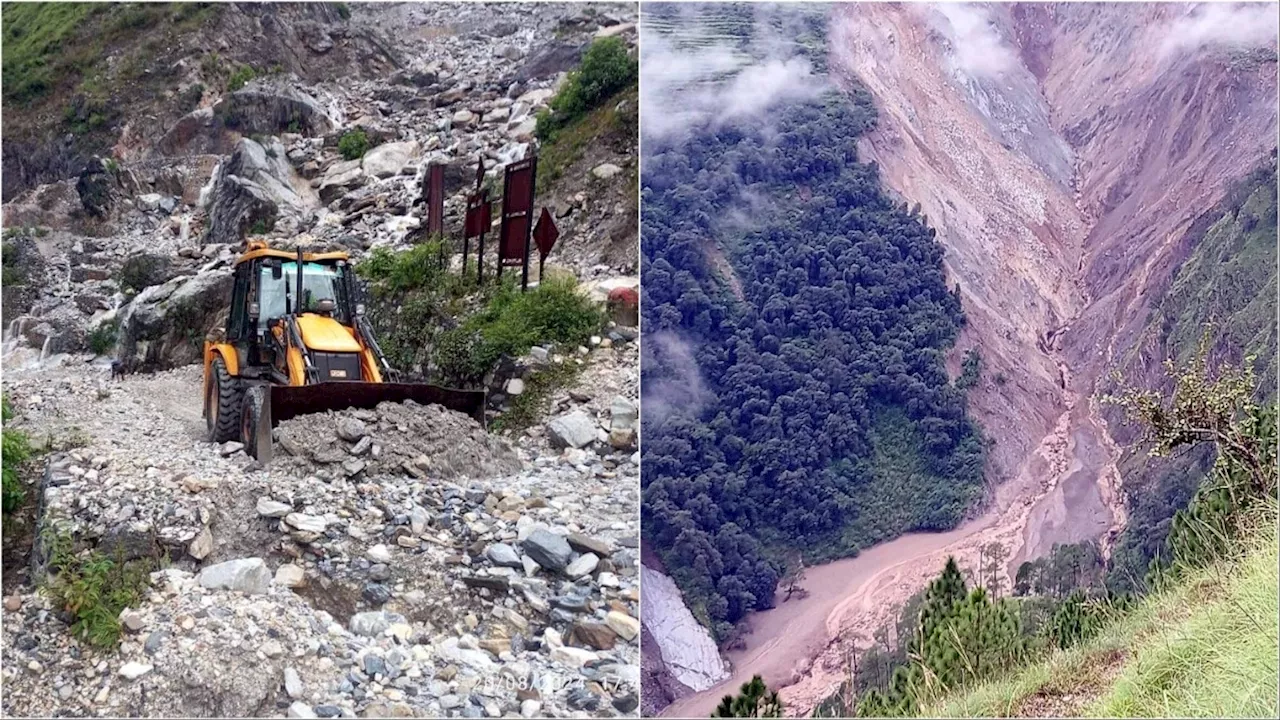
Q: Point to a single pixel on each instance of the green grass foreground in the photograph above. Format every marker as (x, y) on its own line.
(1206, 647)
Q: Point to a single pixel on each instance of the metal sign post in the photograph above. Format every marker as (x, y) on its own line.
(435, 206)
(479, 218)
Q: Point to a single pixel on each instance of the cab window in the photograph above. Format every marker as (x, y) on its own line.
(319, 282)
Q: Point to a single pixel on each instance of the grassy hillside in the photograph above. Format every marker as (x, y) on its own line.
(48, 45)
(1206, 647)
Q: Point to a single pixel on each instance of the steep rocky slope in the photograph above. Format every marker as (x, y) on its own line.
(393, 562)
(1071, 158)
(1063, 153)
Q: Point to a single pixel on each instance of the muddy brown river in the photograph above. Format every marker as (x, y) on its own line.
(851, 596)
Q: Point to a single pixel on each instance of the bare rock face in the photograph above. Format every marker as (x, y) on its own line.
(256, 186)
(685, 646)
(165, 324)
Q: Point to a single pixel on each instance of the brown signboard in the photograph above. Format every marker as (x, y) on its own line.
(517, 212)
(545, 234)
(479, 215)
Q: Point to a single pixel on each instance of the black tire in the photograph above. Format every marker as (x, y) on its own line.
(222, 402)
(251, 416)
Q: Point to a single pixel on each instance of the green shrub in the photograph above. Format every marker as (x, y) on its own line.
(606, 69)
(425, 314)
(95, 589)
(16, 451)
(12, 274)
(344, 10)
(970, 370)
(102, 340)
(353, 144)
(414, 299)
(512, 322)
(530, 405)
(262, 226)
(241, 77)
(414, 269)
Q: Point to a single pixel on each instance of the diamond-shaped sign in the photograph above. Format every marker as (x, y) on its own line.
(545, 233)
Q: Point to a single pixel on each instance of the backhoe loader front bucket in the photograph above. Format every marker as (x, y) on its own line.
(268, 405)
(289, 401)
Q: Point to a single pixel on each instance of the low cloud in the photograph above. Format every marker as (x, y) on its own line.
(978, 49)
(700, 79)
(1231, 26)
(673, 383)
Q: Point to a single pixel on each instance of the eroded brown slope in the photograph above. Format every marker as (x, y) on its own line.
(1062, 152)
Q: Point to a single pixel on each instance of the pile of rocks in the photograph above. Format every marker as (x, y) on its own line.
(419, 441)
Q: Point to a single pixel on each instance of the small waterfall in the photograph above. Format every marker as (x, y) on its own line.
(184, 229)
(45, 351)
(207, 191)
(12, 337)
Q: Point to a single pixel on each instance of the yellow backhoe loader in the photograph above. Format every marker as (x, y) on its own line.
(297, 341)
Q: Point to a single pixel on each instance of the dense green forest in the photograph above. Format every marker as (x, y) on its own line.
(796, 321)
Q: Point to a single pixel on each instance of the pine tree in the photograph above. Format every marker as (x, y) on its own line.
(755, 700)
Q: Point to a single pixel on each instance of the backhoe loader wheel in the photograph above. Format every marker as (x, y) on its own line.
(222, 402)
(255, 425)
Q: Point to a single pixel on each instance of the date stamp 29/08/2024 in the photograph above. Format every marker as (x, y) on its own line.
(546, 683)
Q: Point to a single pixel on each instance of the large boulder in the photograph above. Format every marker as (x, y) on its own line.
(267, 110)
(574, 430)
(165, 325)
(24, 272)
(552, 59)
(340, 179)
(58, 332)
(50, 206)
(254, 187)
(388, 160)
(252, 111)
(98, 190)
(246, 575)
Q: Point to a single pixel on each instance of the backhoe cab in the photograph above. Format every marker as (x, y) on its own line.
(296, 342)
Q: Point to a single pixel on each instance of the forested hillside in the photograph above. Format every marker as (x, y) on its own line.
(797, 319)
